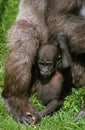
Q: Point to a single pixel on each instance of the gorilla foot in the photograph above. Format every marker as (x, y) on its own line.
(23, 120)
(20, 109)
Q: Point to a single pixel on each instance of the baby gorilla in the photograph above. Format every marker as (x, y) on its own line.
(50, 80)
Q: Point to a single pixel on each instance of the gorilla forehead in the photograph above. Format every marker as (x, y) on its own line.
(48, 52)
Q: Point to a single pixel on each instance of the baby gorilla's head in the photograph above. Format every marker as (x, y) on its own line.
(48, 56)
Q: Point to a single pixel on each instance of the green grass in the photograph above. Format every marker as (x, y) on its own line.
(61, 120)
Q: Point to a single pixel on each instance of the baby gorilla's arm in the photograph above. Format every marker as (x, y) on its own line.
(54, 104)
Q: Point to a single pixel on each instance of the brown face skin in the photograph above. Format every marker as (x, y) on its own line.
(47, 58)
(35, 20)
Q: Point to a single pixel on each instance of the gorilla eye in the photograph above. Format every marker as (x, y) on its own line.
(48, 63)
(40, 63)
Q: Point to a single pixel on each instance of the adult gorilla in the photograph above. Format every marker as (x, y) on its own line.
(36, 21)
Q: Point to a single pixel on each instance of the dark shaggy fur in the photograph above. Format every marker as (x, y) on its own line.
(35, 19)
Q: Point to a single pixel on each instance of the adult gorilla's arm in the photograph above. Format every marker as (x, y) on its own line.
(63, 17)
(23, 41)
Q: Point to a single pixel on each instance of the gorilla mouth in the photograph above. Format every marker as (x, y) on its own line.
(45, 74)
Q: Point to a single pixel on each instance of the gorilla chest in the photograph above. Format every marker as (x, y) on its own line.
(47, 93)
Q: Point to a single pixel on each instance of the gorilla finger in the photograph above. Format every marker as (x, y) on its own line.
(26, 121)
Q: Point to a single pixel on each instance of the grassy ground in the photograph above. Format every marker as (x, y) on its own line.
(61, 120)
